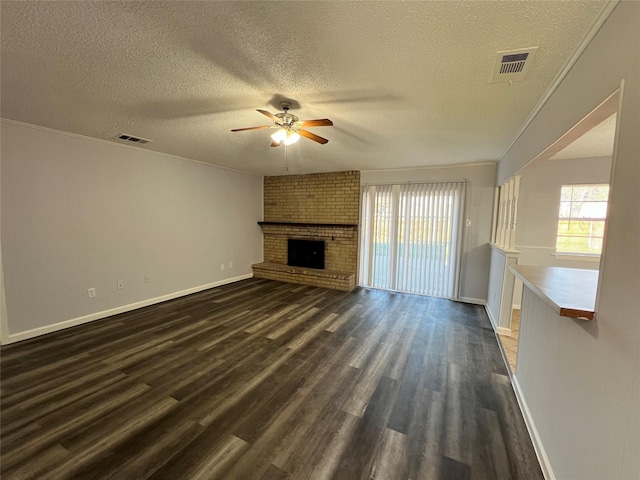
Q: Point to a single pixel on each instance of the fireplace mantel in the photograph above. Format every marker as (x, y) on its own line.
(301, 224)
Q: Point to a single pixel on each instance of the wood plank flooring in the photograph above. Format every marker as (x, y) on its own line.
(266, 380)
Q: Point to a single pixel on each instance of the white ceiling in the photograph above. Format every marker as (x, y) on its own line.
(597, 142)
(405, 83)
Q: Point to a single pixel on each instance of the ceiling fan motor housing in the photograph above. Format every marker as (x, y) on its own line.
(285, 105)
(287, 118)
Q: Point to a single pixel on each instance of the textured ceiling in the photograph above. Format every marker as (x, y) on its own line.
(406, 84)
(597, 142)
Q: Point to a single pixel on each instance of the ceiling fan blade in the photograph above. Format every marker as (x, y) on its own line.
(321, 122)
(312, 136)
(268, 114)
(251, 128)
(275, 144)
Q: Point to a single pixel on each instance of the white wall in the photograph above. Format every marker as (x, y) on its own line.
(539, 199)
(80, 213)
(476, 254)
(501, 283)
(600, 390)
(496, 277)
(538, 207)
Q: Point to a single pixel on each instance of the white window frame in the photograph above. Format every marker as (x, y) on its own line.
(582, 256)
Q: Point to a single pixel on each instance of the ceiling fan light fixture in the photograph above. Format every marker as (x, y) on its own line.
(279, 135)
(292, 137)
(287, 136)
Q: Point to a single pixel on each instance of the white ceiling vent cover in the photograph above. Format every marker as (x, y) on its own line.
(130, 138)
(513, 65)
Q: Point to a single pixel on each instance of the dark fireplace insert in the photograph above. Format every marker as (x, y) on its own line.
(306, 253)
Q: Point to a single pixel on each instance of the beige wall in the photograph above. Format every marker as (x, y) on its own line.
(80, 213)
(476, 254)
(583, 408)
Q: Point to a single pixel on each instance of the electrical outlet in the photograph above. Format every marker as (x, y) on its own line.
(230, 264)
(222, 266)
(468, 222)
(120, 284)
(91, 292)
(146, 279)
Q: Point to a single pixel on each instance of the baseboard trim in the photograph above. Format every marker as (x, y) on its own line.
(475, 301)
(491, 319)
(503, 331)
(541, 454)
(547, 471)
(36, 332)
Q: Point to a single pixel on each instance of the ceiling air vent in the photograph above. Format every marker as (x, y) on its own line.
(130, 138)
(512, 65)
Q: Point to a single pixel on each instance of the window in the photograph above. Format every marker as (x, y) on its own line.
(583, 212)
(411, 237)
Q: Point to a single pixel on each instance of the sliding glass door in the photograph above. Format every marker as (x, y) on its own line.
(411, 237)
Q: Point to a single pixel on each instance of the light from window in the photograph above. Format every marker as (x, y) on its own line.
(583, 212)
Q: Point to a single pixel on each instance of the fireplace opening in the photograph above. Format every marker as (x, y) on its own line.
(306, 253)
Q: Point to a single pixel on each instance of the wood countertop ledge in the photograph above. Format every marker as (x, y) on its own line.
(570, 291)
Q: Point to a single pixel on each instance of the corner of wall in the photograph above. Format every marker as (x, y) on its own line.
(492, 318)
(4, 321)
(545, 464)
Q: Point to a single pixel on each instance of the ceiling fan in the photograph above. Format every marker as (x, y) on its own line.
(290, 129)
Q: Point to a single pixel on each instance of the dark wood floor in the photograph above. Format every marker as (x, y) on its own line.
(267, 380)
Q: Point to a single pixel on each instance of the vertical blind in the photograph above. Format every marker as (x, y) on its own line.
(411, 237)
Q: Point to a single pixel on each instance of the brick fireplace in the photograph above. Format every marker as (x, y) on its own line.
(320, 206)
